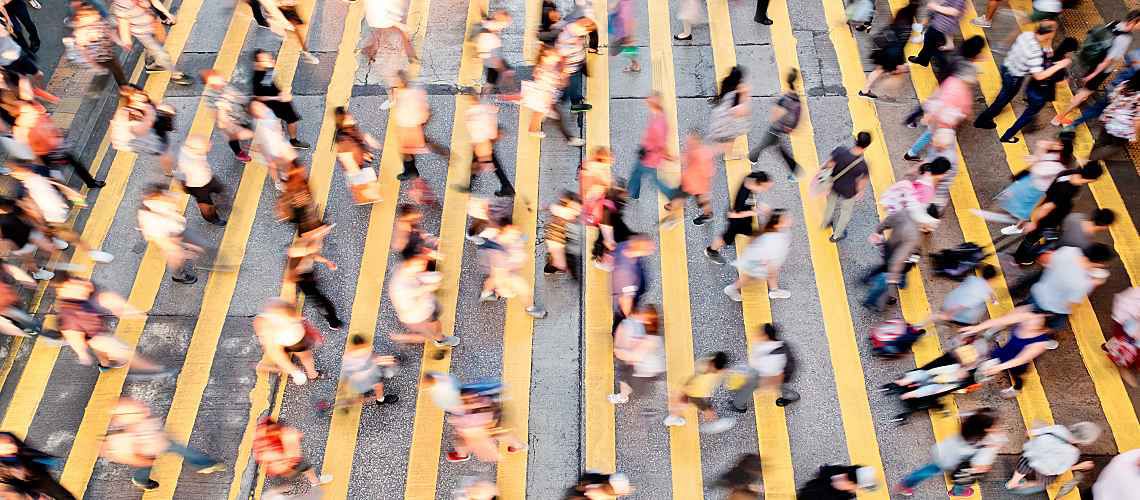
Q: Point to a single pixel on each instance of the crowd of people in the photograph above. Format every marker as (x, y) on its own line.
(257, 119)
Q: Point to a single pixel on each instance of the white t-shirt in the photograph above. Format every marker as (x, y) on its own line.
(413, 298)
(769, 249)
(160, 222)
(1063, 283)
(482, 122)
(270, 138)
(764, 361)
(1120, 479)
(195, 169)
(384, 13)
(50, 202)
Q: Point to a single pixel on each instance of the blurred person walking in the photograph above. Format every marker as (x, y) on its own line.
(940, 31)
(162, 224)
(639, 352)
(283, 334)
(763, 258)
(303, 256)
(696, 182)
(1026, 58)
(266, 91)
(284, 18)
(698, 391)
(277, 449)
(731, 115)
(744, 212)
(1042, 88)
(889, 54)
(198, 178)
(137, 21)
(847, 174)
(413, 289)
(962, 457)
(654, 150)
(26, 471)
(136, 438)
(771, 365)
(782, 120)
(482, 119)
(231, 111)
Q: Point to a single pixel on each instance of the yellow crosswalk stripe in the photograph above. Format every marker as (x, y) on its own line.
(38, 368)
(684, 442)
(518, 326)
(862, 443)
(601, 453)
(144, 290)
(864, 117)
(340, 447)
(423, 457)
(771, 424)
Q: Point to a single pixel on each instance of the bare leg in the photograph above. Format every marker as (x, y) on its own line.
(872, 78)
(306, 359)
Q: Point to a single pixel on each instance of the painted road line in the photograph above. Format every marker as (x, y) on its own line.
(518, 326)
(33, 381)
(771, 423)
(684, 441)
(598, 381)
(148, 280)
(427, 430)
(862, 443)
(340, 447)
(1114, 400)
(864, 116)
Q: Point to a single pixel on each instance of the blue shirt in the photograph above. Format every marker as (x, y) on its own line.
(627, 277)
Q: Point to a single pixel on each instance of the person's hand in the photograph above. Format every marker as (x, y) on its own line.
(990, 371)
(332, 266)
(875, 239)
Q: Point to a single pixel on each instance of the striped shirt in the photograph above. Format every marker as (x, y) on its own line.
(1025, 56)
(1120, 116)
(947, 25)
(93, 40)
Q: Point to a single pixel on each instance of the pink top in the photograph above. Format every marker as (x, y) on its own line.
(653, 140)
(696, 178)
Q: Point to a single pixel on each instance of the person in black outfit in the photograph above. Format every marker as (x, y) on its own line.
(1052, 210)
(24, 470)
(267, 91)
(304, 255)
(18, 12)
(838, 482)
(761, 15)
(1039, 92)
(258, 15)
(744, 213)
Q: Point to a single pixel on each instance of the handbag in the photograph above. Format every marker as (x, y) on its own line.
(823, 180)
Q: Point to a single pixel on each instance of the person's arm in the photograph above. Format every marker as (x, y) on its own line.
(1016, 316)
(157, 4)
(1027, 354)
(146, 124)
(291, 442)
(124, 34)
(348, 161)
(1108, 62)
(1040, 212)
(78, 342)
(775, 114)
(861, 187)
(118, 305)
(1052, 70)
(322, 260)
(626, 303)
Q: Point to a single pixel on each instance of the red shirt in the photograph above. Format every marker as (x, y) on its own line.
(696, 178)
(653, 140)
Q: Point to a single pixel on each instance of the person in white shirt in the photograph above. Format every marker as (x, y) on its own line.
(483, 131)
(640, 352)
(270, 140)
(48, 206)
(1120, 479)
(161, 222)
(389, 44)
(769, 368)
(412, 290)
(134, 128)
(198, 178)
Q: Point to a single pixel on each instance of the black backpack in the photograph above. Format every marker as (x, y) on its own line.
(790, 364)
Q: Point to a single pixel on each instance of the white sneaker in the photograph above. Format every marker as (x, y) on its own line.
(386, 104)
(1011, 230)
(540, 134)
(324, 479)
(674, 421)
(733, 292)
(43, 274)
(101, 256)
(779, 293)
(981, 22)
(617, 399)
(576, 142)
(309, 58)
(1052, 344)
(488, 296)
(60, 244)
(1009, 393)
(448, 341)
(718, 426)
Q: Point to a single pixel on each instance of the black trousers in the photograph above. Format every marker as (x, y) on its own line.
(258, 16)
(932, 40)
(21, 22)
(505, 186)
(44, 484)
(60, 157)
(761, 10)
(307, 284)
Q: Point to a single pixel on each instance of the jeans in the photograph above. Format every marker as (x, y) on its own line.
(920, 144)
(21, 22)
(1034, 103)
(195, 458)
(634, 184)
(573, 92)
(926, 472)
(1092, 111)
(1010, 86)
(772, 137)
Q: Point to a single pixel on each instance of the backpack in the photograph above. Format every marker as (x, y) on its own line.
(957, 262)
(893, 337)
(790, 360)
(1095, 47)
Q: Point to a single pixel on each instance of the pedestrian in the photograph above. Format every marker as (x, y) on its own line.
(136, 438)
(285, 18)
(761, 15)
(18, 18)
(20, 68)
(571, 45)
(25, 470)
(1028, 339)
(744, 480)
(966, 303)
(696, 182)
(1026, 58)
(1078, 230)
(506, 257)
(848, 179)
(285, 334)
(295, 203)
(258, 14)
(839, 482)
(746, 211)
(542, 93)
(388, 42)
(1021, 197)
(198, 178)
(940, 31)
(1130, 68)
(411, 112)
(136, 21)
(94, 43)
(83, 309)
(561, 234)
(266, 91)
(1052, 450)
(409, 237)
(162, 224)
(952, 102)
(764, 257)
(1119, 479)
(731, 115)
(628, 280)
(962, 457)
(363, 373)
(277, 449)
(48, 204)
(897, 250)
(770, 367)
(300, 268)
(47, 142)
(1124, 343)
(596, 486)
(1070, 275)
(231, 111)
(639, 352)
(889, 45)
(22, 240)
(137, 127)
(782, 120)
(354, 149)
(697, 391)
(1042, 88)
(1053, 208)
(654, 148)
(482, 119)
(269, 140)
(477, 425)
(688, 14)
(488, 38)
(1096, 63)
(623, 34)
(1120, 121)
(412, 290)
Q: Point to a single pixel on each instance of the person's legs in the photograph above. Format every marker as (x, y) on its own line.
(310, 366)
(761, 15)
(767, 140)
(112, 65)
(1016, 375)
(46, 485)
(1080, 97)
(258, 15)
(789, 160)
(742, 397)
(195, 458)
(505, 187)
(633, 186)
(307, 283)
(932, 42)
(80, 170)
(846, 209)
(156, 51)
(1026, 252)
(18, 11)
(573, 92)
(920, 474)
(1106, 146)
(410, 171)
(1033, 105)
(875, 293)
(1091, 111)
(1010, 86)
(829, 209)
(141, 477)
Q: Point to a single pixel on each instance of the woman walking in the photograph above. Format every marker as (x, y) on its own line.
(890, 45)
(731, 115)
(763, 257)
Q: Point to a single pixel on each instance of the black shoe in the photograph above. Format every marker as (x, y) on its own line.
(834, 238)
(990, 125)
(298, 144)
(387, 399)
(457, 187)
(683, 38)
(701, 220)
(504, 193)
(737, 410)
(907, 156)
(188, 279)
(915, 60)
(336, 325)
(763, 20)
(782, 402)
(408, 176)
(715, 256)
(868, 95)
(911, 124)
(149, 485)
(154, 68)
(580, 108)
(181, 79)
(220, 222)
(1011, 140)
(96, 185)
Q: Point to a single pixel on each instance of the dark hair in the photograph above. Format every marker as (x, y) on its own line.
(1045, 27)
(357, 339)
(731, 81)
(759, 176)
(974, 426)
(339, 111)
(1068, 139)
(790, 79)
(773, 220)
(904, 17)
(939, 166)
(863, 139)
(1069, 44)
(771, 331)
(972, 46)
(989, 272)
(719, 360)
(153, 189)
(258, 52)
(1099, 253)
(568, 195)
(406, 209)
(1092, 170)
(1133, 83)
(1103, 217)
(1133, 15)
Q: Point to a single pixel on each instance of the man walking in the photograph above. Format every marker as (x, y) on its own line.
(1026, 57)
(848, 184)
(940, 30)
(266, 91)
(627, 279)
